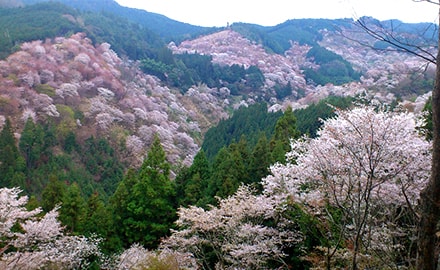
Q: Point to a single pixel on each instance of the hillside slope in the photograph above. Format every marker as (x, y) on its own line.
(91, 91)
(386, 74)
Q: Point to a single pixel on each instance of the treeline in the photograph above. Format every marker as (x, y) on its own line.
(186, 70)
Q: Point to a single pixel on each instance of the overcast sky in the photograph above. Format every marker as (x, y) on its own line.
(273, 12)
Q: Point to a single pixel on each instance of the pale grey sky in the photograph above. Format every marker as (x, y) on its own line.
(272, 12)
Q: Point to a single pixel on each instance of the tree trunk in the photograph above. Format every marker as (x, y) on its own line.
(430, 197)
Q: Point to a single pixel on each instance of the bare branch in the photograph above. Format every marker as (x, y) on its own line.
(429, 1)
(389, 36)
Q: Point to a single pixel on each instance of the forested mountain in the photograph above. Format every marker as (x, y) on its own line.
(163, 26)
(122, 116)
(52, 19)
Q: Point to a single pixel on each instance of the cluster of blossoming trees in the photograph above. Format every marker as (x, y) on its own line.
(357, 183)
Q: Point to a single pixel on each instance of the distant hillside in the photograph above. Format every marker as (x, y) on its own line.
(163, 26)
(50, 20)
(278, 38)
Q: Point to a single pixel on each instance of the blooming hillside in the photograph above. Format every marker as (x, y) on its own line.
(93, 92)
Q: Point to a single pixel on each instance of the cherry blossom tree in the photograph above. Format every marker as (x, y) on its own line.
(235, 235)
(428, 255)
(137, 257)
(30, 240)
(361, 178)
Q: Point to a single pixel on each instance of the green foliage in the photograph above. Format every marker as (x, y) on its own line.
(36, 22)
(99, 221)
(309, 119)
(188, 69)
(249, 122)
(285, 130)
(225, 178)
(11, 164)
(101, 161)
(53, 194)
(32, 143)
(192, 182)
(126, 38)
(73, 210)
(333, 68)
(45, 89)
(283, 91)
(144, 201)
(44, 162)
(65, 123)
(260, 160)
(155, 68)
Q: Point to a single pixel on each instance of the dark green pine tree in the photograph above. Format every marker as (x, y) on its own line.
(119, 205)
(260, 161)
(285, 129)
(32, 143)
(53, 194)
(11, 163)
(99, 221)
(229, 171)
(192, 183)
(240, 161)
(149, 203)
(73, 209)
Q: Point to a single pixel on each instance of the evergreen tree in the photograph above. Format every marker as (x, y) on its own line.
(73, 209)
(8, 154)
(53, 194)
(119, 204)
(99, 221)
(145, 202)
(230, 169)
(32, 143)
(192, 183)
(285, 129)
(260, 160)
